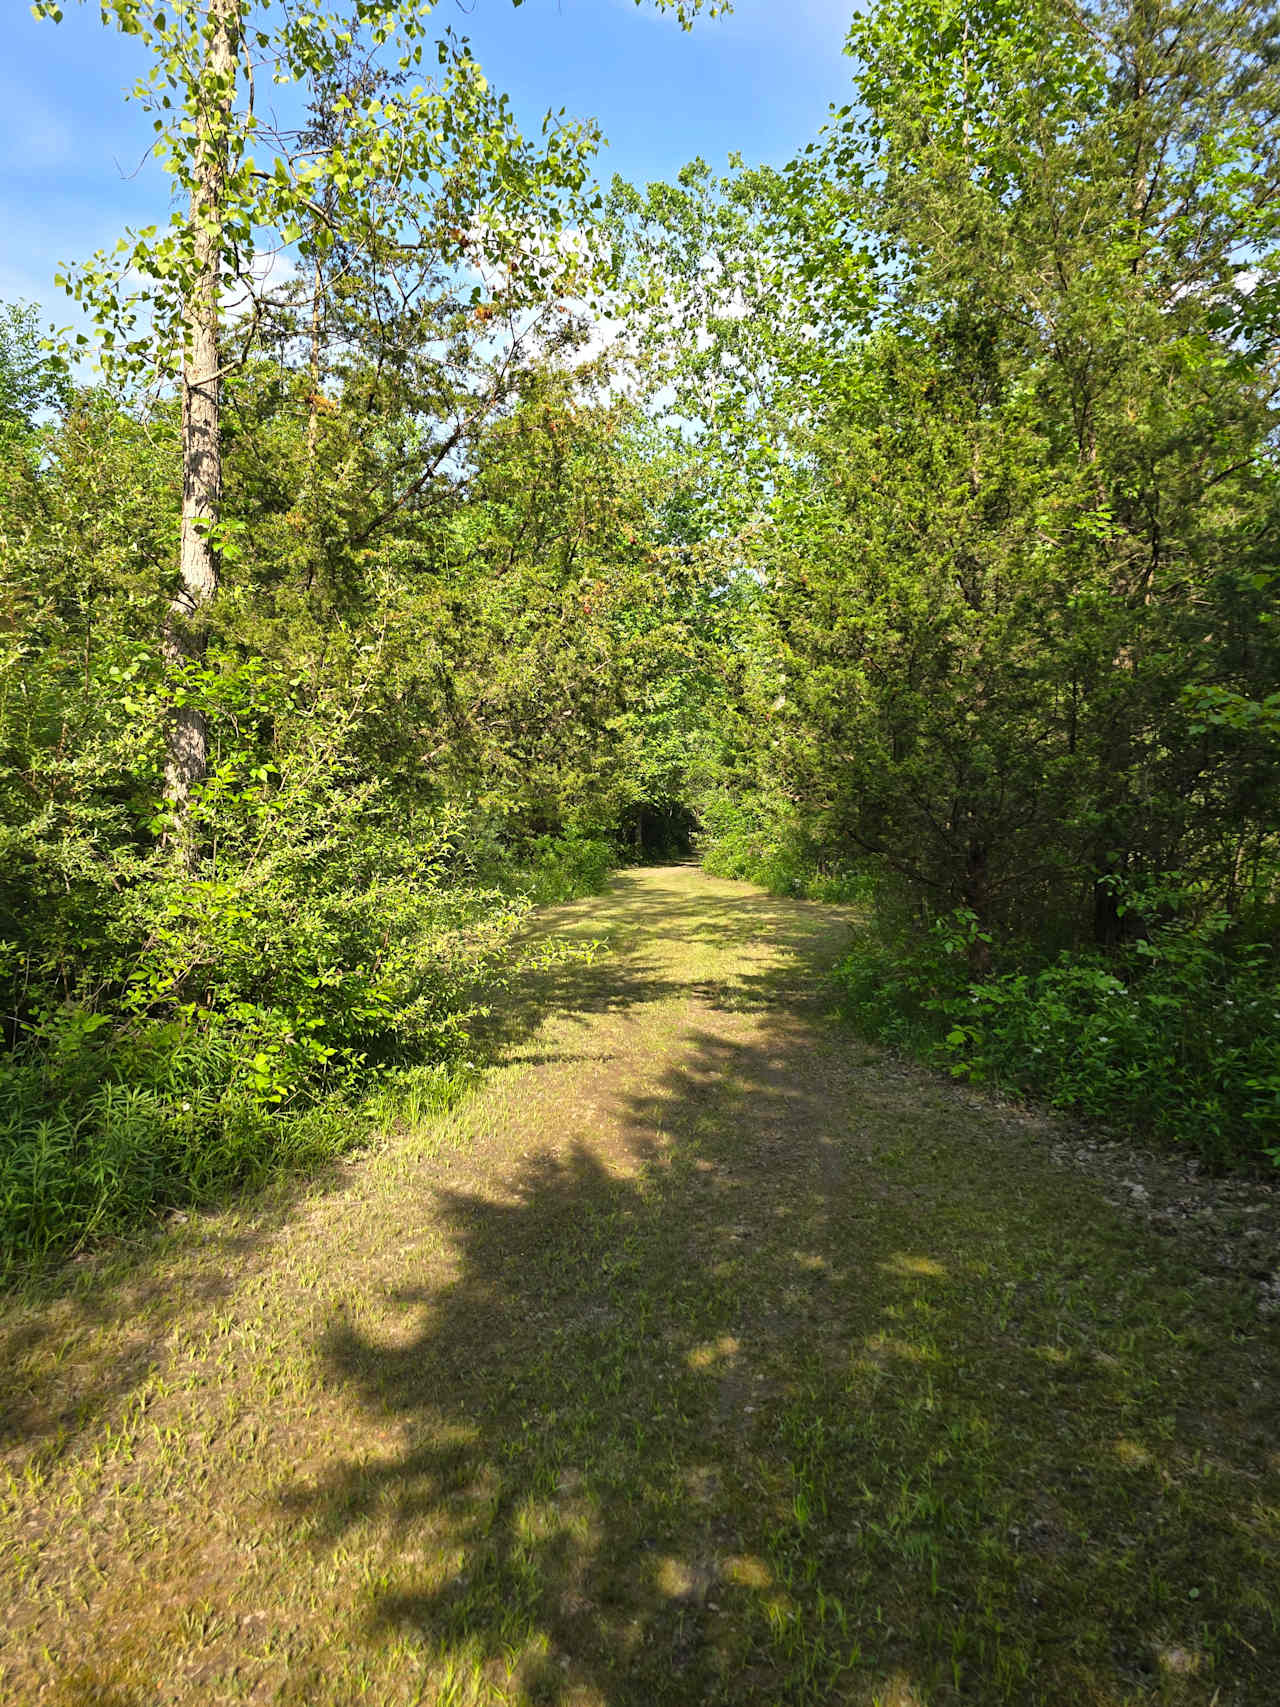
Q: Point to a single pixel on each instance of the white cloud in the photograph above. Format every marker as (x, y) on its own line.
(268, 270)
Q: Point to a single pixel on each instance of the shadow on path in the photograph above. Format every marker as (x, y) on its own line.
(96, 1329)
(758, 950)
(773, 1375)
(827, 1399)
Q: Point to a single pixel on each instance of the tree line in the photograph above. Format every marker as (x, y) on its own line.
(997, 354)
(914, 542)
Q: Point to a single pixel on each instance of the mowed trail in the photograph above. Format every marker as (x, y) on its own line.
(703, 1354)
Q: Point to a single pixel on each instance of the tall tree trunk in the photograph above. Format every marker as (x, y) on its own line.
(1108, 921)
(186, 759)
(313, 364)
(1116, 920)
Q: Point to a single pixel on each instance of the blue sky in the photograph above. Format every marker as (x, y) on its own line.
(71, 148)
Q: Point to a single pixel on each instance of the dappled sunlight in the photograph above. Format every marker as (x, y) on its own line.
(812, 1261)
(1131, 1454)
(748, 1571)
(678, 1580)
(718, 1352)
(901, 1262)
(736, 1435)
(680, 1377)
(885, 1345)
(1180, 1662)
(898, 1692)
(1053, 1354)
(666, 933)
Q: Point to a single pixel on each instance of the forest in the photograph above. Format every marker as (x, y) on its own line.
(439, 530)
(640, 865)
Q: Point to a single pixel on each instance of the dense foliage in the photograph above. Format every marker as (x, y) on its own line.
(949, 589)
(999, 352)
(415, 733)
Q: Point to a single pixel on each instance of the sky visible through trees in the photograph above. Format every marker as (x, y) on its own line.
(707, 719)
(759, 81)
(911, 541)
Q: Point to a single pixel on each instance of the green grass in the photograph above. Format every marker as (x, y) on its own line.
(698, 1354)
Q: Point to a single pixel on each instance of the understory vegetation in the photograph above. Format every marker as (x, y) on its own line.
(1173, 1041)
(413, 765)
(913, 543)
(408, 749)
(995, 363)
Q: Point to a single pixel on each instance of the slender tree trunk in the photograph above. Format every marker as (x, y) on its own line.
(1114, 922)
(1108, 921)
(306, 498)
(186, 759)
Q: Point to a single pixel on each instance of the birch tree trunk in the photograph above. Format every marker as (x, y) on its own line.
(186, 758)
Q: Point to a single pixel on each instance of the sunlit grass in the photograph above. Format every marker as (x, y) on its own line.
(690, 1356)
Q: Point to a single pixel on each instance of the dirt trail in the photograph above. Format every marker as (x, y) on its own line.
(702, 1355)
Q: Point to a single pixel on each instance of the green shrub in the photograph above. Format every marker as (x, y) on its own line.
(734, 842)
(225, 1025)
(73, 1167)
(1179, 1038)
(560, 868)
(741, 840)
(174, 1035)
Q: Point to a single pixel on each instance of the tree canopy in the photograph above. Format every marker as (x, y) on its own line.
(900, 524)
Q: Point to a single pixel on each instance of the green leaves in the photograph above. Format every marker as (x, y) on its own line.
(396, 168)
(33, 371)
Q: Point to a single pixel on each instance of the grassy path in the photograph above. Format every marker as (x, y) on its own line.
(701, 1355)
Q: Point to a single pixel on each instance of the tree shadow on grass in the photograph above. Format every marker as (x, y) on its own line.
(828, 1399)
(91, 1331)
(773, 951)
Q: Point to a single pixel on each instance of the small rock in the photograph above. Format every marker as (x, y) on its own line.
(1179, 1661)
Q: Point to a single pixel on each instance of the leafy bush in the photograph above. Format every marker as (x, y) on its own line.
(174, 1034)
(1176, 1039)
(900, 983)
(740, 840)
(734, 840)
(96, 1136)
(230, 1025)
(77, 1162)
(558, 868)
